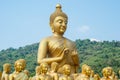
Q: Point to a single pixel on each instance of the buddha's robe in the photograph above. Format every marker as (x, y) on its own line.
(56, 47)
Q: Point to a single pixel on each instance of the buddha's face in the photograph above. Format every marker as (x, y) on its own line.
(59, 25)
(67, 70)
(18, 67)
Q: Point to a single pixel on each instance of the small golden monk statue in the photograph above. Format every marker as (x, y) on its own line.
(6, 71)
(43, 72)
(57, 48)
(86, 72)
(53, 71)
(23, 61)
(92, 75)
(66, 73)
(107, 73)
(96, 77)
(37, 70)
(26, 72)
(18, 74)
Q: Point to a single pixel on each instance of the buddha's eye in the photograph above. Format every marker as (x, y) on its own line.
(60, 21)
(65, 22)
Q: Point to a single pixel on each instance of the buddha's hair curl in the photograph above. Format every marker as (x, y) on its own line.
(58, 12)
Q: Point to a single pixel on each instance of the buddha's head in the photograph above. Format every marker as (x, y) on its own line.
(58, 21)
(7, 67)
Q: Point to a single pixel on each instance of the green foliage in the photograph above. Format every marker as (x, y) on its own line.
(29, 53)
(96, 54)
(99, 54)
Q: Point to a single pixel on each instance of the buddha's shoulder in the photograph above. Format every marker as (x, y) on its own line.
(69, 41)
(52, 38)
(46, 39)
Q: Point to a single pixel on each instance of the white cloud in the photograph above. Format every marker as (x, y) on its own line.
(84, 29)
(93, 39)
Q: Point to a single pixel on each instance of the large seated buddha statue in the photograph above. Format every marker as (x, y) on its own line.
(57, 48)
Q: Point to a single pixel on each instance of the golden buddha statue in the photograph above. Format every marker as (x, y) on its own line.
(43, 72)
(85, 74)
(66, 73)
(6, 71)
(18, 74)
(57, 48)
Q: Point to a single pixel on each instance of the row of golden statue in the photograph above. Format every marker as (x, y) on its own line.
(57, 57)
(46, 72)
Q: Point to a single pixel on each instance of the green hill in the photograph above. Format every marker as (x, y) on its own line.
(99, 54)
(95, 54)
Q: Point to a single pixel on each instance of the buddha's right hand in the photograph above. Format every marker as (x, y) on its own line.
(64, 53)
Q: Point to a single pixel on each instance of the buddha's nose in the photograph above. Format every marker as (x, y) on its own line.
(63, 24)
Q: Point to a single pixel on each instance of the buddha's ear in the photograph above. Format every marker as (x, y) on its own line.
(51, 25)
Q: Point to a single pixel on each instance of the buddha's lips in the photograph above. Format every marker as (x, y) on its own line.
(62, 28)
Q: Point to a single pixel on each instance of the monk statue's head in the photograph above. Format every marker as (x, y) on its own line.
(44, 67)
(23, 61)
(67, 69)
(37, 69)
(107, 71)
(26, 72)
(96, 77)
(54, 66)
(86, 70)
(18, 66)
(7, 67)
(58, 18)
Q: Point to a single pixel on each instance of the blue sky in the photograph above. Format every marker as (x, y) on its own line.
(24, 22)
